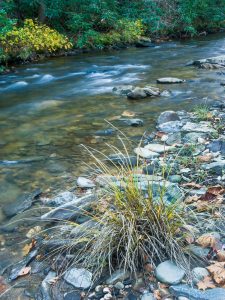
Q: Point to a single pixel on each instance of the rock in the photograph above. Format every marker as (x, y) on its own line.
(137, 93)
(72, 296)
(79, 278)
(198, 251)
(173, 138)
(131, 296)
(168, 116)
(21, 204)
(123, 89)
(145, 153)
(85, 183)
(148, 296)
(170, 127)
(175, 178)
(182, 298)
(170, 80)
(152, 91)
(123, 160)
(217, 146)
(193, 137)
(199, 274)
(118, 275)
(194, 294)
(159, 148)
(60, 199)
(46, 287)
(133, 122)
(71, 209)
(105, 132)
(217, 167)
(144, 42)
(166, 93)
(204, 127)
(168, 272)
(119, 285)
(211, 62)
(151, 168)
(108, 296)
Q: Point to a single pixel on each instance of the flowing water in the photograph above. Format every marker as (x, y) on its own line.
(49, 108)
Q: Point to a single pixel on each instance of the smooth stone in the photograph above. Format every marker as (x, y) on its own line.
(182, 298)
(72, 296)
(118, 275)
(145, 153)
(204, 127)
(131, 296)
(168, 116)
(159, 148)
(173, 138)
(79, 278)
(62, 198)
(119, 285)
(148, 296)
(133, 122)
(168, 272)
(217, 60)
(123, 160)
(105, 132)
(198, 251)
(171, 126)
(152, 91)
(21, 204)
(194, 294)
(217, 167)
(199, 274)
(193, 137)
(71, 209)
(46, 287)
(86, 183)
(137, 93)
(170, 80)
(217, 146)
(123, 89)
(175, 178)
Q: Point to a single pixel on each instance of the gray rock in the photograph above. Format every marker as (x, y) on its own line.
(137, 93)
(170, 127)
(152, 91)
(159, 148)
(123, 160)
(62, 198)
(192, 137)
(173, 138)
(145, 153)
(175, 178)
(194, 294)
(45, 287)
(119, 285)
(148, 296)
(21, 204)
(168, 116)
(118, 275)
(79, 278)
(204, 127)
(71, 209)
(168, 272)
(133, 122)
(72, 296)
(217, 167)
(198, 251)
(199, 274)
(217, 61)
(144, 42)
(170, 80)
(123, 89)
(105, 132)
(217, 146)
(85, 183)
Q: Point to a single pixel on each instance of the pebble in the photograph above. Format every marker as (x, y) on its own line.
(168, 272)
(79, 278)
(108, 296)
(119, 285)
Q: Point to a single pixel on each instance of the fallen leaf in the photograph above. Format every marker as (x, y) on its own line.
(218, 272)
(206, 283)
(205, 158)
(207, 240)
(191, 199)
(128, 113)
(24, 271)
(192, 185)
(3, 286)
(216, 190)
(28, 247)
(157, 295)
(221, 255)
(160, 134)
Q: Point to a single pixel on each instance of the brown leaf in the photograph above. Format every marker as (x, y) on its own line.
(24, 271)
(28, 247)
(205, 158)
(218, 272)
(128, 113)
(3, 286)
(216, 190)
(191, 199)
(192, 185)
(207, 240)
(206, 283)
(221, 255)
(157, 295)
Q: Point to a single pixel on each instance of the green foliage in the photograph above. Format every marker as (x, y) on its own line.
(30, 39)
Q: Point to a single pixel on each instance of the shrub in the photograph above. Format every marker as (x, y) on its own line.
(30, 39)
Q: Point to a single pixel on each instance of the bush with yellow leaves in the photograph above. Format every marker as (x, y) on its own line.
(31, 39)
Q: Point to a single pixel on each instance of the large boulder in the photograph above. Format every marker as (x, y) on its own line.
(123, 89)
(137, 93)
(168, 116)
(211, 62)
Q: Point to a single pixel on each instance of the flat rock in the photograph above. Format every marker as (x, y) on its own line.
(123, 89)
(204, 127)
(170, 127)
(194, 294)
(79, 278)
(61, 198)
(85, 183)
(168, 116)
(170, 80)
(192, 137)
(217, 167)
(198, 251)
(173, 138)
(199, 274)
(159, 148)
(145, 153)
(217, 146)
(218, 61)
(168, 272)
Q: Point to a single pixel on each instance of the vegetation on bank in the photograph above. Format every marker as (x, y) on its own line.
(61, 25)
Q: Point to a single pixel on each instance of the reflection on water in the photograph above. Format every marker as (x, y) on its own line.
(48, 109)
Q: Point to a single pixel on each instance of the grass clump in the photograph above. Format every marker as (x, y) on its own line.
(202, 112)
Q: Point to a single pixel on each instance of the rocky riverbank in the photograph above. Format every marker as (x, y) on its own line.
(186, 156)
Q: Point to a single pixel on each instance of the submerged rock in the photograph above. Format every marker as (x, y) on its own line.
(85, 183)
(194, 294)
(211, 62)
(79, 278)
(105, 132)
(133, 122)
(168, 272)
(123, 160)
(123, 89)
(170, 80)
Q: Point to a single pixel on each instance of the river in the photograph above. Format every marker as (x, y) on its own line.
(51, 107)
